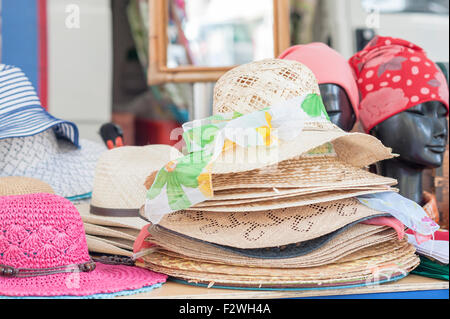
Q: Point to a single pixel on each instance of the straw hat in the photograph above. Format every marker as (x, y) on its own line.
(43, 253)
(348, 241)
(268, 228)
(114, 232)
(119, 189)
(287, 202)
(359, 271)
(258, 85)
(98, 246)
(17, 185)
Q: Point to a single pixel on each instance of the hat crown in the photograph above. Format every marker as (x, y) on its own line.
(41, 231)
(258, 85)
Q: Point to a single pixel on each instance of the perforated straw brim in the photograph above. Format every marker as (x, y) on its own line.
(15, 185)
(268, 228)
(351, 240)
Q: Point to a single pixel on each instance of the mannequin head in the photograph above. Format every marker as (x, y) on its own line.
(338, 106)
(336, 80)
(419, 135)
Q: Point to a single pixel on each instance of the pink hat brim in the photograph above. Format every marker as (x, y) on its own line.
(105, 279)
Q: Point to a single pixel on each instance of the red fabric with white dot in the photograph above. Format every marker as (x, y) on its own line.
(394, 75)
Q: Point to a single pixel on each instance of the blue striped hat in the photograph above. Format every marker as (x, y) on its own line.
(21, 112)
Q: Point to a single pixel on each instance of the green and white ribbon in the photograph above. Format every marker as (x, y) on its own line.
(186, 182)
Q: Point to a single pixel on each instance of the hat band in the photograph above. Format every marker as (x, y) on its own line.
(109, 212)
(11, 272)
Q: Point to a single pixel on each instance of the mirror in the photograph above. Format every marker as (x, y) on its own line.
(199, 40)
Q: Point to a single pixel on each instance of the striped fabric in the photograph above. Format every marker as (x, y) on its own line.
(21, 113)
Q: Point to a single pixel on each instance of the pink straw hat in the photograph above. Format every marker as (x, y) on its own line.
(43, 253)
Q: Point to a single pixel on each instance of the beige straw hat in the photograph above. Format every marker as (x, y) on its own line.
(14, 185)
(268, 228)
(266, 83)
(359, 270)
(120, 176)
(287, 202)
(119, 190)
(351, 240)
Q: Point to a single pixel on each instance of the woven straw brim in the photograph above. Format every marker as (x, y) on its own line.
(120, 174)
(135, 223)
(114, 232)
(360, 262)
(298, 195)
(302, 172)
(355, 149)
(351, 240)
(339, 274)
(289, 202)
(15, 185)
(271, 193)
(268, 228)
(99, 246)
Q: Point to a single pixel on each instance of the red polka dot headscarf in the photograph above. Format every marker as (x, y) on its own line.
(394, 75)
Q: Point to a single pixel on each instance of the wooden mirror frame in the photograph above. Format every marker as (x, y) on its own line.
(159, 73)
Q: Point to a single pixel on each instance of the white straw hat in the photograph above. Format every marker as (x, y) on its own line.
(120, 175)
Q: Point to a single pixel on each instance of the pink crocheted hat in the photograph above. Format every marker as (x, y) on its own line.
(43, 253)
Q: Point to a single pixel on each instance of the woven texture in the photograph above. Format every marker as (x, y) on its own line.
(258, 85)
(238, 194)
(321, 171)
(269, 228)
(67, 169)
(291, 250)
(298, 194)
(133, 223)
(115, 232)
(331, 271)
(289, 202)
(14, 185)
(361, 271)
(121, 173)
(44, 231)
(355, 149)
(98, 246)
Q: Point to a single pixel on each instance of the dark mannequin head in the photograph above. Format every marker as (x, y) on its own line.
(418, 134)
(338, 106)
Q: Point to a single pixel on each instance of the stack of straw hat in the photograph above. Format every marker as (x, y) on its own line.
(289, 220)
(111, 218)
